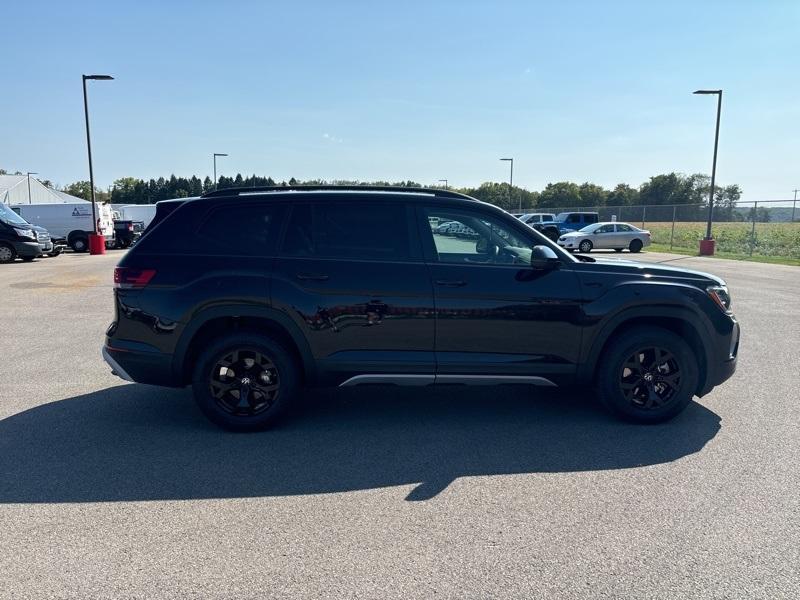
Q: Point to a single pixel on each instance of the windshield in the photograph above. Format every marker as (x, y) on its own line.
(9, 217)
(562, 216)
(589, 228)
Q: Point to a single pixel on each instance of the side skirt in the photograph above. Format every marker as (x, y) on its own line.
(420, 380)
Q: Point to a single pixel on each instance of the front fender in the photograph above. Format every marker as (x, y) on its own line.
(642, 301)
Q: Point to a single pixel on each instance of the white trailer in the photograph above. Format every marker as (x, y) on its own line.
(136, 212)
(70, 220)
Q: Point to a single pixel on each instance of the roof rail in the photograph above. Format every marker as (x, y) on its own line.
(237, 191)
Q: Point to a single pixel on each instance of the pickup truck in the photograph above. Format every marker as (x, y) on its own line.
(126, 232)
(564, 223)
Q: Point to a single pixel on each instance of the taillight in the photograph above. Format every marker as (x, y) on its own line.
(126, 278)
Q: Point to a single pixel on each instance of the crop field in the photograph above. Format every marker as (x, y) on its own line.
(769, 239)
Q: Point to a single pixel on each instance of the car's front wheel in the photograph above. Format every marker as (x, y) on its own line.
(244, 382)
(7, 253)
(585, 246)
(647, 375)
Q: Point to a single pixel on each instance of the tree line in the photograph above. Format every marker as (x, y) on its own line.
(659, 190)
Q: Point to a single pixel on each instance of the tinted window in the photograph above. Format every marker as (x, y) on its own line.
(377, 231)
(574, 219)
(248, 229)
(590, 218)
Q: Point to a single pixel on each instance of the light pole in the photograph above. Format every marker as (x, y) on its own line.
(89, 140)
(216, 154)
(445, 183)
(718, 93)
(32, 173)
(511, 183)
(794, 203)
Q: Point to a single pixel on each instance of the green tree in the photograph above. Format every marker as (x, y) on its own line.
(593, 195)
(562, 194)
(623, 195)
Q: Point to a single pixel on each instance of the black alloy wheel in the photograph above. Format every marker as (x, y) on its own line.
(650, 378)
(647, 374)
(244, 382)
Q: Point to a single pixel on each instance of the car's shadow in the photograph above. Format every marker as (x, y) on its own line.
(134, 442)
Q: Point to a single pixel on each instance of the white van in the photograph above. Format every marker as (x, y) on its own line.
(71, 221)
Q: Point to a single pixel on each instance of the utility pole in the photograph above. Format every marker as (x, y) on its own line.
(794, 203)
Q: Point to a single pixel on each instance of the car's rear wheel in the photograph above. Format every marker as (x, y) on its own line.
(7, 253)
(618, 249)
(585, 246)
(648, 375)
(243, 382)
(635, 246)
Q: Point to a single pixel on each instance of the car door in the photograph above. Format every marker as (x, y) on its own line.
(495, 315)
(625, 233)
(604, 237)
(351, 276)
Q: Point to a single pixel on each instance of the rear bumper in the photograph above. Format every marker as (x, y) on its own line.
(139, 365)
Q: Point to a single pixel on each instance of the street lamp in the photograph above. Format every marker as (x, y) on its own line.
(32, 173)
(216, 154)
(511, 183)
(718, 93)
(89, 141)
(445, 183)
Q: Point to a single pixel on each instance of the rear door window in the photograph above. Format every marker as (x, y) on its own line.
(245, 229)
(349, 230)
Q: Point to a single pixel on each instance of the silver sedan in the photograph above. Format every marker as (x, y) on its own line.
(617, 236)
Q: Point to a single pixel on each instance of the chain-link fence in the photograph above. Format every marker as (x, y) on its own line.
(764, 228)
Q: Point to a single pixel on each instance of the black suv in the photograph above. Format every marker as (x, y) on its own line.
(249, 294)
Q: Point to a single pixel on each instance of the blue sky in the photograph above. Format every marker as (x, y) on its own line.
(581, 91)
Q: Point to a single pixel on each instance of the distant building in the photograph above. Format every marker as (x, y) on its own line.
(14, 190)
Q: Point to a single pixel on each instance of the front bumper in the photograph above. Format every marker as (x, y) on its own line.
(567, 243)
(27, 249)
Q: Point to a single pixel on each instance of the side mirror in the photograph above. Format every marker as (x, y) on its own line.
(544, 259)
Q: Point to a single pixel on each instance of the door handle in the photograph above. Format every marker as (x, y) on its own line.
(451, 282)
(312, 277)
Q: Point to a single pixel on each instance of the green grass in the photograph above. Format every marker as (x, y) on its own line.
(775, 260)
(772, 242)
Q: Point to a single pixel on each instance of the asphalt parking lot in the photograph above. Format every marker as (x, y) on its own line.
(109, 489)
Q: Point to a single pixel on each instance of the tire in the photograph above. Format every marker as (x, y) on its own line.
(79, 244)
(7, 253)
(638, 384)
(636, 246)
(618, 249)
(255, 356)
(28, 258)
(585, 246)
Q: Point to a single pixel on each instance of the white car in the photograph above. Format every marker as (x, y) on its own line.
(617, 236)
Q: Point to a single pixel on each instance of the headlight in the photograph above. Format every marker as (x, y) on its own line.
(720, 295)
(26, 233)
